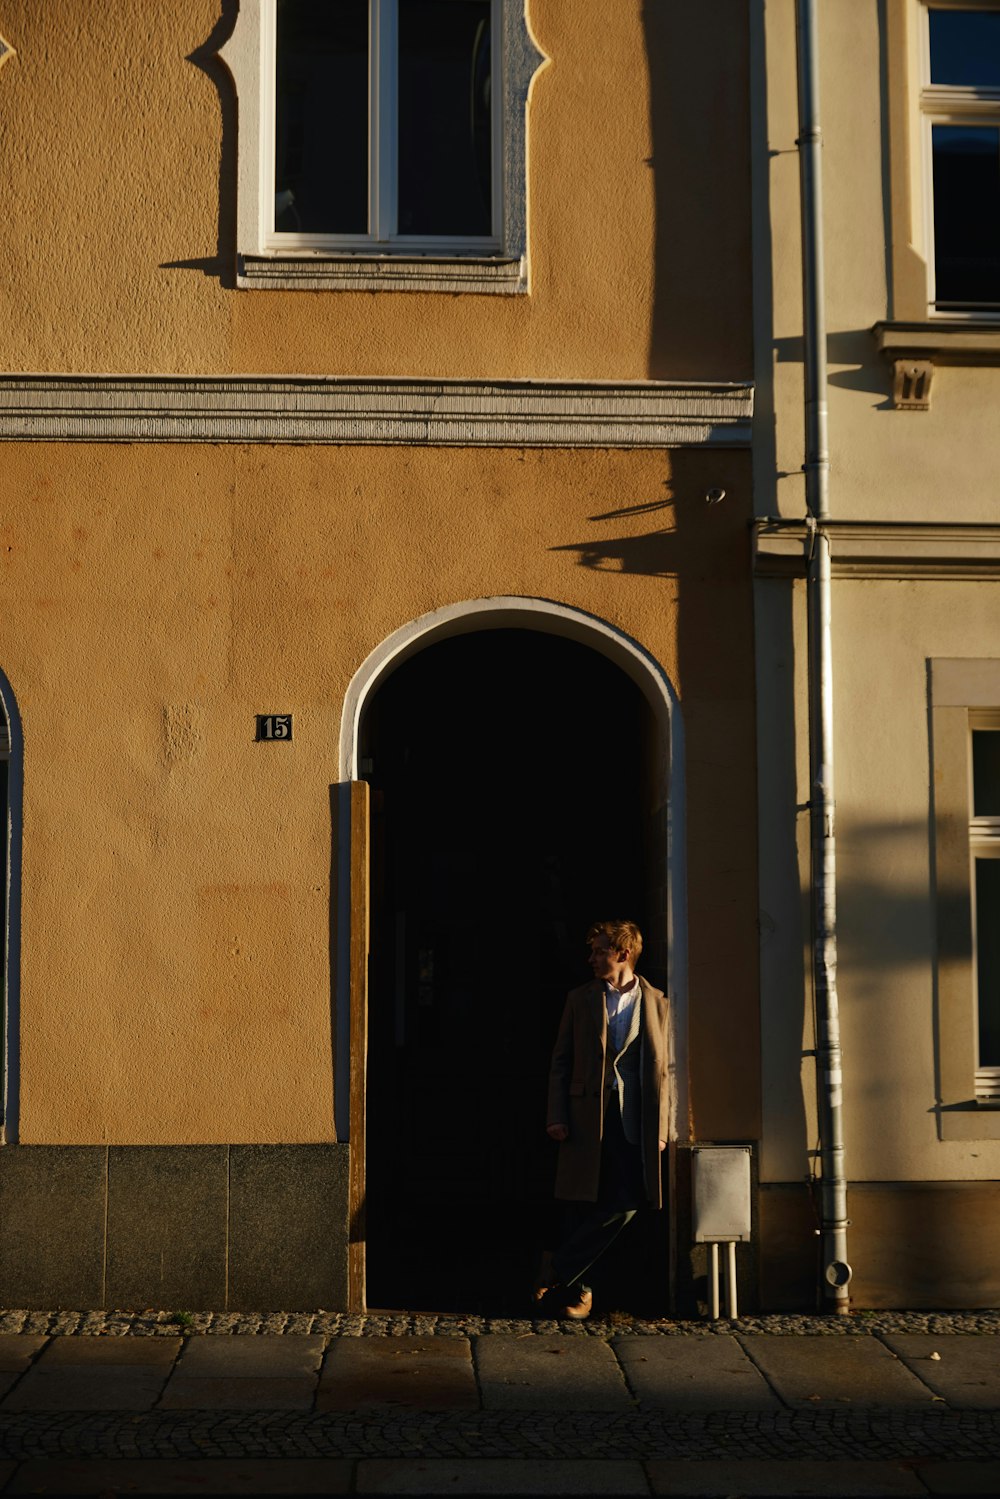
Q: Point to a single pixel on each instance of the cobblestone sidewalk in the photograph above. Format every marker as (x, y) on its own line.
(144, 1324)
(786, 1435)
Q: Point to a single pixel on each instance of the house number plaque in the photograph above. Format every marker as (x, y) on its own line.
(274, 726)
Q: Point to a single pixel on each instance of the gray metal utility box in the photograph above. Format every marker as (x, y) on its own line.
(721, 1192)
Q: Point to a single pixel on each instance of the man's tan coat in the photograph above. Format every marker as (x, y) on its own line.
(580, 1090)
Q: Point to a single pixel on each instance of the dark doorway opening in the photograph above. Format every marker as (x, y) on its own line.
(511, 805)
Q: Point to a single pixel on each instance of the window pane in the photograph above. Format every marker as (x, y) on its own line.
(988, 959)
(986, 772)
(966, 214)
(965, 47)
(321, 108)
(445, 137)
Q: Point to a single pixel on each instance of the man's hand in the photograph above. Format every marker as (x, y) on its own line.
(663, 1144)
(557, 1131)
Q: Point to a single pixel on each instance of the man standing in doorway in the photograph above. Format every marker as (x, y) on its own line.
(609, 1106)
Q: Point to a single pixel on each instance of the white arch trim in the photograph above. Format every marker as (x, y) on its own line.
(512, 611)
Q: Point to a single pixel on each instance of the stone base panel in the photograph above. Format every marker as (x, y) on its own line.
(181, 1227)
(264, 1228)
(911, 1244)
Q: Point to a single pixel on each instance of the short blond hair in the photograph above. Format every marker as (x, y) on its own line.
(623, 936)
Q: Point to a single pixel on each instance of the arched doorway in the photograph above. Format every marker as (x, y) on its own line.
(517, 789)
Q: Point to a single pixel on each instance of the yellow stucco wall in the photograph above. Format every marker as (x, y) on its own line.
(121, 160)
(176, 880)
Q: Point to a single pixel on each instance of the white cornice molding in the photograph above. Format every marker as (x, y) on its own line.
(881, 549)
(433, 413)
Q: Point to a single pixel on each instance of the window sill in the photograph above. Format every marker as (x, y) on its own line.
(914, 349)
(488, 276)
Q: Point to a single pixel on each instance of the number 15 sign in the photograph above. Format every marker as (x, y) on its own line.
(274, 726)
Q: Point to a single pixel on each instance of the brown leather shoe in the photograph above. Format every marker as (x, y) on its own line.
(581, 1308)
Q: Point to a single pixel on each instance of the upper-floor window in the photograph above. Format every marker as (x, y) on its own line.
(384, 142)
(984, 841)
(960, 105)
(384, 124)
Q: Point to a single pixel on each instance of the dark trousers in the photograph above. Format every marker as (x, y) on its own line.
(592, 1227)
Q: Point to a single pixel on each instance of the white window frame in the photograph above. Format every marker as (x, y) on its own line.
(947, 104)
(984, 843)
(383, 37)
(382, 259)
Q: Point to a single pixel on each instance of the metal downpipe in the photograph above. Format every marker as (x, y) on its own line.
(836, 1272)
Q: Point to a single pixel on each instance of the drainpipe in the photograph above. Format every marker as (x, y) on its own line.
(836, 1272)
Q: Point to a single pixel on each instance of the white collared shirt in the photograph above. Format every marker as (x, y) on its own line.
(620, 1004)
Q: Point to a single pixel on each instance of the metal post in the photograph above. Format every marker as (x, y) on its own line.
(836, 1271)
(731, 1279)
(714, 1283)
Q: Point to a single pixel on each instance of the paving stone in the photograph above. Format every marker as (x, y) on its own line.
(829, 1480)
(967, 1375)
(499, 1476)
(961, 1477)
(120, 1352)
(678, 1374)
(17, 1350)
(249, 1392)
(549, 1373)
(218, 1475)
(86, 1388)
(430, 1373)
(265, 1355)
(840, 1371)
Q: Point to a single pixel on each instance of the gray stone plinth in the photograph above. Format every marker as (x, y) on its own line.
(167, 1226)
(288, 1227)
(52, 1210)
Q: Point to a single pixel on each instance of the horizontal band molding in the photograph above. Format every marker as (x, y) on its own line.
(448, 413)
(881, 549)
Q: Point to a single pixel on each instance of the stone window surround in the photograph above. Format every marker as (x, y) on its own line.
(958, 687)
(504, 273)
(914, 339)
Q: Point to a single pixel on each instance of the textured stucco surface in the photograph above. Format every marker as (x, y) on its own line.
(176, 884)
(896, 467)
(123, 231)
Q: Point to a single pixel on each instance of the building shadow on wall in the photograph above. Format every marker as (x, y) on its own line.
(849, 347)
(682, 556)
(699, 113)
(222, 265)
